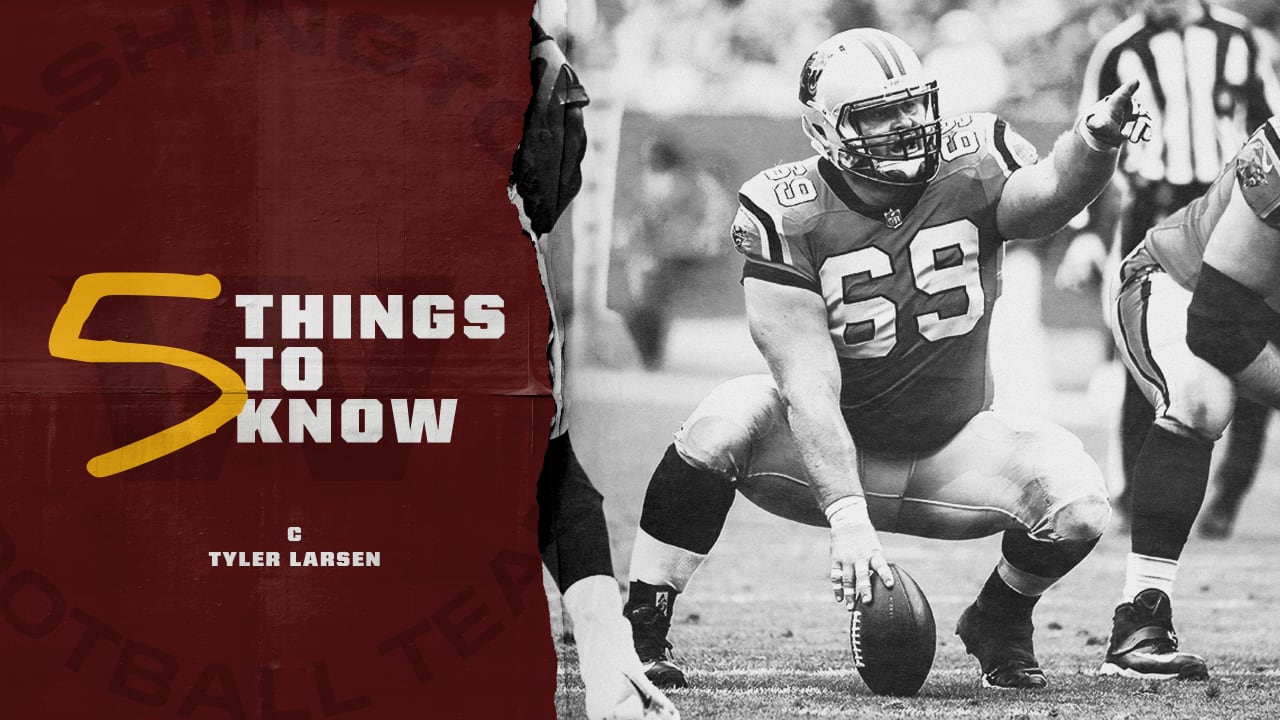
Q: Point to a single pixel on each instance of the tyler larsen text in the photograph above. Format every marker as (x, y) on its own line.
(268, 558)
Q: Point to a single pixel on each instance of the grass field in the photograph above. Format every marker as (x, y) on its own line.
(761, 636)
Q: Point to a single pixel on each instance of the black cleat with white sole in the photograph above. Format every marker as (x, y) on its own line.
(1145, 647)
(1003, 648)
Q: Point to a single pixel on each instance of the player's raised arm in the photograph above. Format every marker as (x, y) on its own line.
(1039, 199)
(788, 324)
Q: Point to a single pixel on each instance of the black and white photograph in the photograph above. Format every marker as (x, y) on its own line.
(918, 356)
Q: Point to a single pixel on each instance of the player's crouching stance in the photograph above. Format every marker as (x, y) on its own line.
(871, 270)
(1186, 350)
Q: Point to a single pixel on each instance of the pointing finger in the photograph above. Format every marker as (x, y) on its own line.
(1127, 90)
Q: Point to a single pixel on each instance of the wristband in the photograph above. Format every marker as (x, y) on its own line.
(839, 510)
(1091, 140)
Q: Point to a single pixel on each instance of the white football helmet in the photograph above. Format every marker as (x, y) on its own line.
(863, 70)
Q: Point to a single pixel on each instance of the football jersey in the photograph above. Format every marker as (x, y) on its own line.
(908, 289)
(1178, 243)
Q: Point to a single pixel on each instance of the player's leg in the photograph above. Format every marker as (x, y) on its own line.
(572, 534)
(685, 506)
(1239, 466)
(1136, 412)
(1033, 481)
(1193, 404)
(1136, 416)
(574, 541)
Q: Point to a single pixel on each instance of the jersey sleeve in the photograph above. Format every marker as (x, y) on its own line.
(770, 227)
(1258, 172)
(1013, 150)
(984, 146)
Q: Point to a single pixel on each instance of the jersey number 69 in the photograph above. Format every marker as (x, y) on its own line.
(867, 327)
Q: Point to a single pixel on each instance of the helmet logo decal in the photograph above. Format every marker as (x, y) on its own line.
(810, 74)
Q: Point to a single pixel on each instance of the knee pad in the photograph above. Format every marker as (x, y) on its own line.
(719, 434)
(1084, 518)
(716, 444)
(1079, 507)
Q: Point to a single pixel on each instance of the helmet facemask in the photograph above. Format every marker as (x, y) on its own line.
(870, 109)
(898, 156)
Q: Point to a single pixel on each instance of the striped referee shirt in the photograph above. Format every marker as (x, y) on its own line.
(1207, 86)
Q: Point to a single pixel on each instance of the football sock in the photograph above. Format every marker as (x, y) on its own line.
(1027, 568)
(1168, 488)
(684, 511)
(998, 599)
(1136, 416)
(1144, 571)
(603, 636)
(572, 535)
(595, 606)
(660, 564)
(1244, 440)
(686, 506)
(1047, 561)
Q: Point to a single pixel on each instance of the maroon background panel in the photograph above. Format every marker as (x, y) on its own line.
(287, 148)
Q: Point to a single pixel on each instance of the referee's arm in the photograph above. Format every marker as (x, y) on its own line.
(1263, 88)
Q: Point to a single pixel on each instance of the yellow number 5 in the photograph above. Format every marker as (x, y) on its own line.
(65, 342)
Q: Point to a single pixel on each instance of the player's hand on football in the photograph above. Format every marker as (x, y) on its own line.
(855, 552)
(1117, 118)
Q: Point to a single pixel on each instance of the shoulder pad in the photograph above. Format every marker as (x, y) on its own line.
(968, 140)
(790, 193)
(1258, 172)
(776, 210)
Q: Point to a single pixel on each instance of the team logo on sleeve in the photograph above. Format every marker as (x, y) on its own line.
(1021, 149)
(1250, 170)
(746, 233)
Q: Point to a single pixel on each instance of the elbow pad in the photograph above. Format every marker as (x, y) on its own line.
(1228, 324)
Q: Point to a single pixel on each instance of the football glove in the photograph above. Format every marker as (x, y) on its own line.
(1108, 123)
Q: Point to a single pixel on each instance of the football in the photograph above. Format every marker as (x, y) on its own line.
(893, 637)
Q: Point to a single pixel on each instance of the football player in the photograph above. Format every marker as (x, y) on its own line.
(871, 270)
(1187, 350)
(572, 535)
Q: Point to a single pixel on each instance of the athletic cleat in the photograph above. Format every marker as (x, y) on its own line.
(649, 626)
(1145, 647)
(1004, 650)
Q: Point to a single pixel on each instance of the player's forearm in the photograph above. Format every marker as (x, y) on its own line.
(1045, 196)
(825, 445)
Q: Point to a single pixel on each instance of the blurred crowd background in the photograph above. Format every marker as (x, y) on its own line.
(715, 57)
(690, 98)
